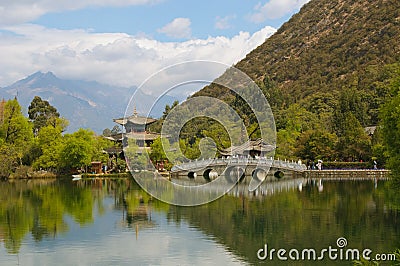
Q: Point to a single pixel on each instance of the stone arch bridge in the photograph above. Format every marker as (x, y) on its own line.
(238, 169)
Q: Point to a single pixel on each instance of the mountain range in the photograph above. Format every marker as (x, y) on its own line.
(85, 104)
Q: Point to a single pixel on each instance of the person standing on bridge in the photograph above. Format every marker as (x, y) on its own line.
(319, 165)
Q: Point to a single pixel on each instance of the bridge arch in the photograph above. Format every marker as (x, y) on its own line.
(192, 175)
(210, 174)
(259, 174)
(279, 174)
(235, 174)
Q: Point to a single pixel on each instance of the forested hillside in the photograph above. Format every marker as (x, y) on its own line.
(327, 73)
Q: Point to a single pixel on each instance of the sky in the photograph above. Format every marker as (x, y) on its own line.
(123, 42)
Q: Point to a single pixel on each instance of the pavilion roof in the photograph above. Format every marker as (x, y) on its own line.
(135, 119)
(113, 150)
(250, 145)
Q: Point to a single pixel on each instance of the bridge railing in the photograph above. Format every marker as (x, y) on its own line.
(199, 164)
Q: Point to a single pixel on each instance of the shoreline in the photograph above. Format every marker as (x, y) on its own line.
(348, 174)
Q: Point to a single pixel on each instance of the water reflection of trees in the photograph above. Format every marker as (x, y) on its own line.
(367, 216)
(38, 207)
(364, 212)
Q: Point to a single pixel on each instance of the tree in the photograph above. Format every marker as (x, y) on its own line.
(156, 127)
(15, 128)
(316, 144)
(107, 132)
(15, 133)
(78, 149)
(350, 102)
(8, 160)
(390, 115)
(157, 149)
(295, 120)
(135, 159)
(169, 108)
(115, 130)
(354, 143)
(50, 142)
(41, 113)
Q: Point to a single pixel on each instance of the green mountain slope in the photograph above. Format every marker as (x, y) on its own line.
(328, 45)
(326, 73)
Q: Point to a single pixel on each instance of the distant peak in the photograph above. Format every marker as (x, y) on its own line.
(40, 74)
(49, 74)
(36, 74)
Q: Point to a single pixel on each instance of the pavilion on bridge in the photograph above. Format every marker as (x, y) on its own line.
(252, 148)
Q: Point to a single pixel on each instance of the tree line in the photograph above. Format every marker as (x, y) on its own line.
(39, 142)
(324, 125)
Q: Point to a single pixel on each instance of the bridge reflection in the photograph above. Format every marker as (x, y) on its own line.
(269, 188)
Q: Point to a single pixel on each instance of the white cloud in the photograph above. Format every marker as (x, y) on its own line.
(222, 23)
(275, 9)
(178, 28)
(15, 12)
(112, 58)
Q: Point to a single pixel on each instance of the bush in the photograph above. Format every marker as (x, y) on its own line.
(21, 172)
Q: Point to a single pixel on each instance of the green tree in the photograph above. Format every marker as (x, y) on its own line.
(158, 148)
(50, 142)
(190, 150)
(169, 108)
(390, 115)
(388, 137)
(295, 120)
(354, 143)
(156, 127)
(15, 128)
(42, 113)
(78, 149)
(115, 130)
(316, 144)
(135, 159)
(107, 132)
(9, 160)
(350, 102)
(15, 136)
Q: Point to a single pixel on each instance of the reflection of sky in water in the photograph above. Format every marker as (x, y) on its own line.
(108, 242)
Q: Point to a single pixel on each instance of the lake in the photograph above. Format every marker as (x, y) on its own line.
(114, 222)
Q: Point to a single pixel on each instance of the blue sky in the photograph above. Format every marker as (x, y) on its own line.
(122, 42)
(216, 18)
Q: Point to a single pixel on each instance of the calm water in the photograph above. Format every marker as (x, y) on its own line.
(113, 222)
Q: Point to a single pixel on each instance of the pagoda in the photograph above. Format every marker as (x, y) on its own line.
(136, 127)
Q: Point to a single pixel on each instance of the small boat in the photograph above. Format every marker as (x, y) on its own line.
(76, 177)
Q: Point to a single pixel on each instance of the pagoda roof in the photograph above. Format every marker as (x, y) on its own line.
(142, 135)
(115, 137)
(134, 135)
(135, 119)
(113, 150)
